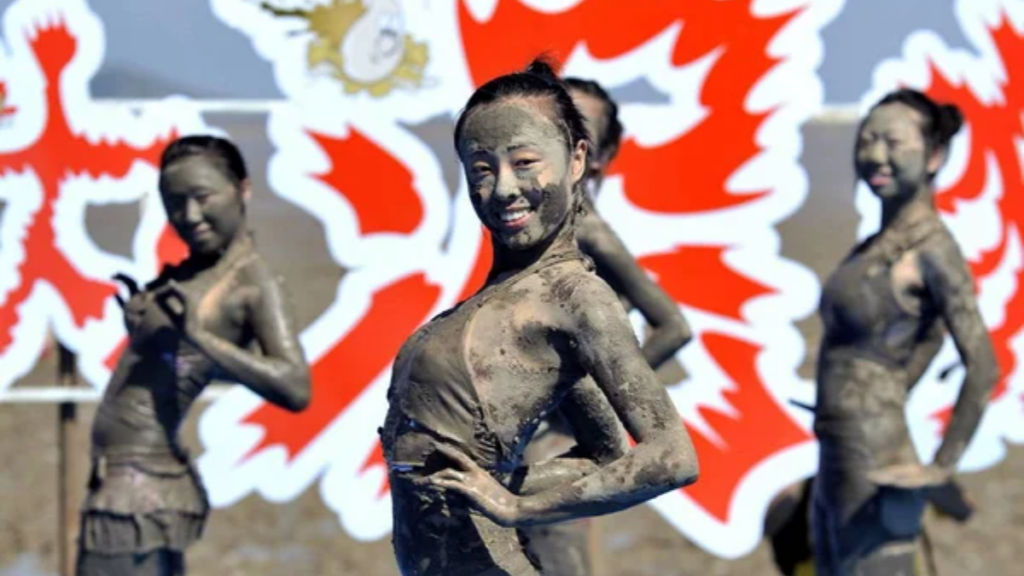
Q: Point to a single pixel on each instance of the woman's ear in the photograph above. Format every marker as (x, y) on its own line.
(579, 161)
(246, 189)
(936, 160)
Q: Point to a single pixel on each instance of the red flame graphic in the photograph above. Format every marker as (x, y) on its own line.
(759, 429)
(56, 155)
(721, 290)
(388, 203)
(657, 179)
(5, 110)
(654, 179)
(995, 131)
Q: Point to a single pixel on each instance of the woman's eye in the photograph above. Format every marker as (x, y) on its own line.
(481, 169)
(525, 163)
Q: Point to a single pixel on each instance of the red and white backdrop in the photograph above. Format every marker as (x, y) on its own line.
(714, 94)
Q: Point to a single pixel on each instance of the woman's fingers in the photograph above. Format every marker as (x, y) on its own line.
(130, 283)
(450, 475)
(457, 456)
(447, 478)
(906, 476)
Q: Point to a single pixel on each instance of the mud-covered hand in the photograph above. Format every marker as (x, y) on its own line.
(132, 306)
(910, 476)
(130, 284)
(182, 308)
(484, 493)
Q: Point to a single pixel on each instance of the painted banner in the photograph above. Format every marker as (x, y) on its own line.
(60, 154)
(980, 193)
(713, 95)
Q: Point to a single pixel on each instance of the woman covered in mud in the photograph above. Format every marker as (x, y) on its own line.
(470, 387)
(219, 314)
(669, 331)
(883, 312)
(564, 549)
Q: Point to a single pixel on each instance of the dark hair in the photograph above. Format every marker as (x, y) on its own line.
(221, 151)
(537, 80)
(612, 136)
(941, 121)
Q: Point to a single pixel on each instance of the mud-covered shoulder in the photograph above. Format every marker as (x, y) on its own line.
(259, 278)
(266, 294)
(579, 298)
(257, 270)
(940, 242)
(944, 269)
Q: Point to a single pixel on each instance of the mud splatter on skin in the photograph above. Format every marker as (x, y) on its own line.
(890, 145)
(198, 320)
(205, 207)
(883, 310)
(516, 158)
(558, 545)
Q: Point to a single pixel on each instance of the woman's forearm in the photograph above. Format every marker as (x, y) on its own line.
(280, 382)
(648, 470)
(549, 474)
(664, 341)
(967, 412)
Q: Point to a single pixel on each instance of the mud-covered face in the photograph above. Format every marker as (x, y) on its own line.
(204, 206)
(520, 170)
(891, 154)
(595, 112)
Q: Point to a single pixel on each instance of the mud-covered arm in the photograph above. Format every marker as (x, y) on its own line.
(600, 439)
(662, 458)
(280, 374)
(949, 283)
(669, 329)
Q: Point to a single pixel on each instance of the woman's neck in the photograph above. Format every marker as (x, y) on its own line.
(898, 211)
(508, 262)
(239, 243)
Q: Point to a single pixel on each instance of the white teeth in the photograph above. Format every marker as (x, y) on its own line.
(510, 216)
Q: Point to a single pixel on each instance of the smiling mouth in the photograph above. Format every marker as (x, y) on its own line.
(879, 180)
(200, 233)
(514, 219)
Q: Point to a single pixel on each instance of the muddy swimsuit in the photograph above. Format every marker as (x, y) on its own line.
(145, 503)
(434, 400)
(861, 529)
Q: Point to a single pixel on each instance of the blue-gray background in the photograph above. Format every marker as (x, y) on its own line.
(161, 47)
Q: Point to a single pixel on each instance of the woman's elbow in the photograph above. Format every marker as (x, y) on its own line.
(679, 332)
(299, 391)
(686, 471)
(679, 463)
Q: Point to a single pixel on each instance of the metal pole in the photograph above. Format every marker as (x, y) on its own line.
(70, 476)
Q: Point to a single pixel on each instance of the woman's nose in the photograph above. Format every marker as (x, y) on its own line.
(193, 212)
(508, 187)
